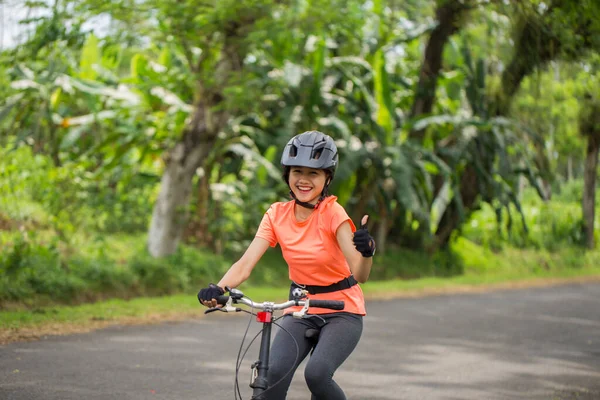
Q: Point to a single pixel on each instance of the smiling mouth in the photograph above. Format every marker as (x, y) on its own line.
(304, 189)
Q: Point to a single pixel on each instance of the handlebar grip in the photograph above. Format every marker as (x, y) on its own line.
(330, 304)
(222, 300)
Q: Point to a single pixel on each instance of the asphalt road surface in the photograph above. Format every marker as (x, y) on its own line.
(541, 343)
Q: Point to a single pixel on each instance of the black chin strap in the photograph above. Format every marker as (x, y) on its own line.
(304, 203)
(308, 205)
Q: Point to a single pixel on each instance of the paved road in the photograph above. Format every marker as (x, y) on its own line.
(530, 344)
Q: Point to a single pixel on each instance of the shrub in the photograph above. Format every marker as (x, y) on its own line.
(185, 270)
(29, 268)
(569, 192)
(409, 264)
(32, 270)
(551, 225)
(104, 278)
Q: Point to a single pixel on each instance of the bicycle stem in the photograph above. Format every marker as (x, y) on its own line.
(260, 383)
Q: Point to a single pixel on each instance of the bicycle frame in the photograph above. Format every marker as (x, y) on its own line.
(259, 383)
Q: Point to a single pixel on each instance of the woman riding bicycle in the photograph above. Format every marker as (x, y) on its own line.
(326, 256)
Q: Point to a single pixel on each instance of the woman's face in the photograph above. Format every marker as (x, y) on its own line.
(307, 183)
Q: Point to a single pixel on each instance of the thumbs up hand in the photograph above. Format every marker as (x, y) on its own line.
(363, 241)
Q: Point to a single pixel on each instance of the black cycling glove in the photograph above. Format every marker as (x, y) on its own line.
(211, 292)
(364, 242)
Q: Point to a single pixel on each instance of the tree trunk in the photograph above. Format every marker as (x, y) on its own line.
(171, 210)
(198, 227)
(449, 16)
(589, 189)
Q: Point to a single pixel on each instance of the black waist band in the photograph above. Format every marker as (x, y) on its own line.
(345, 283)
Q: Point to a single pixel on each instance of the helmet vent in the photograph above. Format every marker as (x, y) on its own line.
(293, 151)
(317, 153)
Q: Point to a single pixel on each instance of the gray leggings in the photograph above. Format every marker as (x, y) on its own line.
(339, 335)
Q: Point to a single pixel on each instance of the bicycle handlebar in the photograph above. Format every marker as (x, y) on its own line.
(329, 304)
(238, 297)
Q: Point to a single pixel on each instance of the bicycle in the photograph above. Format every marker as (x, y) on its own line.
(259, 382)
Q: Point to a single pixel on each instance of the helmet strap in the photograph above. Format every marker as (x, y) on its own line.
(309, 205)
(304, 204)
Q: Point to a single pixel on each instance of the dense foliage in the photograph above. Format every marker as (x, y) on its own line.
(445, 113)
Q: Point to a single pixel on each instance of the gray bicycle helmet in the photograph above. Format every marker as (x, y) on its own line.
(312, 149)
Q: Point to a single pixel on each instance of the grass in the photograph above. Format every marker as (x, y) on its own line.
(18, 325)
(474, 283)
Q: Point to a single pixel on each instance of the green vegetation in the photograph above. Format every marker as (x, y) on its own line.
(137, 160)
(47, 281)
(95, 263)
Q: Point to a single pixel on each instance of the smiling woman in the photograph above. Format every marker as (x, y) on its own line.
(327, 258)
(307, 184)
(307, 156)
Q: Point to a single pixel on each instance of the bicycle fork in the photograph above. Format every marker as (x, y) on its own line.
(261, 367)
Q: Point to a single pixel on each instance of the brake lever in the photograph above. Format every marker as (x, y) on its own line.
(214, 309)
(227, 307)
(302, 312)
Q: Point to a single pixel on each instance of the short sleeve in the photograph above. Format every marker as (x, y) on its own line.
(265, 229)
(338, 217)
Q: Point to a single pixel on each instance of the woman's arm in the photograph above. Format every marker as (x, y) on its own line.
(241, 269)
(359, 266)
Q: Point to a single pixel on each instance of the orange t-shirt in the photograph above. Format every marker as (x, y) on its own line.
(311, 250)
